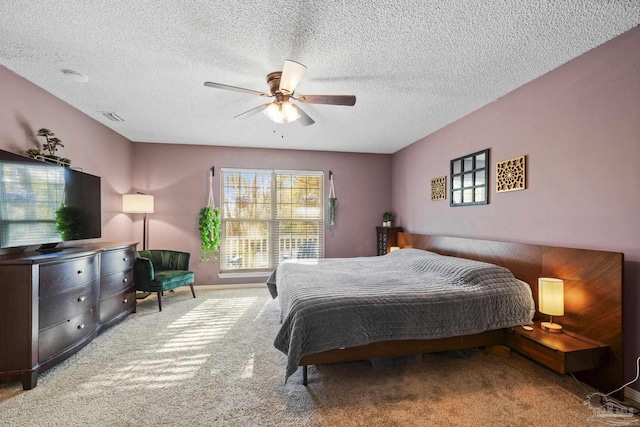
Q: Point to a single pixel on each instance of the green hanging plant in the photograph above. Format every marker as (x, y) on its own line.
(209, 226)
(68, 222)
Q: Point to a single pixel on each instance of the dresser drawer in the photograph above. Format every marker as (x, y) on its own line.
(53, 340)
(118, 260)
(64, 305)
(114, 283)
(58, 277)
(111, 308)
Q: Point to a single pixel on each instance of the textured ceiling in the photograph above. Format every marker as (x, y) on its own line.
(415, 66)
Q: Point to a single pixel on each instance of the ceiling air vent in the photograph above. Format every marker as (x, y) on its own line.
(112, 116)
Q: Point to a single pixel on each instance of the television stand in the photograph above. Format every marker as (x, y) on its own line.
(48, 248)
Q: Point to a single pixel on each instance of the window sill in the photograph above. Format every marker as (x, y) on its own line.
(243, 275)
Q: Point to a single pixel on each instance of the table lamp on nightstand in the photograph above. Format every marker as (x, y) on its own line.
(551, 301)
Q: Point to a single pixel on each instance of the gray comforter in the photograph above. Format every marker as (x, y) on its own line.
(406, 294)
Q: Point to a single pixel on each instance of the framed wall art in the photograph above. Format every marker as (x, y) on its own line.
(470, 179)
(439, 188)
(510, 174)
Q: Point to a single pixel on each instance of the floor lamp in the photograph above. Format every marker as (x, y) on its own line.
(139, 203)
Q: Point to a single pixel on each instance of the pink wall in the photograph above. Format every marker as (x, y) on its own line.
(91, 146)
(177, 175)
(579, 127)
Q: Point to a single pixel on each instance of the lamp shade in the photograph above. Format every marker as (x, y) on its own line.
(137, 203)
(551, 296)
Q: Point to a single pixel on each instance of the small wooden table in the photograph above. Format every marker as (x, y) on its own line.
(563, 352)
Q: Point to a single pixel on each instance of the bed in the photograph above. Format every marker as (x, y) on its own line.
(408, 294)
(308, 338)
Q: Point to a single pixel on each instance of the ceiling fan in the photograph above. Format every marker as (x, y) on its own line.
(282, 86)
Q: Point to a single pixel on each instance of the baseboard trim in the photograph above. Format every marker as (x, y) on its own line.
(234, 286)
(218, 287)
(264, 274)
(632, 395)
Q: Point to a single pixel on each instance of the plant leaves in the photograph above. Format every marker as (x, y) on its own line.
(209, 226)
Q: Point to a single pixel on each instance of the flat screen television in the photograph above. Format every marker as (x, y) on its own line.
(44, 204)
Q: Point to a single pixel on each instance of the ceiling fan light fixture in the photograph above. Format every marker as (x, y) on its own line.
(289, 111)
(281, 112)
(273, 113)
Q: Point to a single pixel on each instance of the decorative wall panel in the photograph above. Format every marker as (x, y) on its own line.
(510, 175)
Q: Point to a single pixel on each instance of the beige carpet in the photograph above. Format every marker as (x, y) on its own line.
(210, 361)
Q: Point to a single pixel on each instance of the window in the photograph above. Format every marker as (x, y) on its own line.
(270, 216)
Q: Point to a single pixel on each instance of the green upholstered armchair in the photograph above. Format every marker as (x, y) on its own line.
(160, 270)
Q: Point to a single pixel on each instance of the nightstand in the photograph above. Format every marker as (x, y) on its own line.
(386, 238)
(563, 352)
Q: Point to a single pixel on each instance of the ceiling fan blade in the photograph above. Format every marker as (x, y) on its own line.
(252, 111)
(291, 75)
(235, 88)
(304, 119)
(348, 100)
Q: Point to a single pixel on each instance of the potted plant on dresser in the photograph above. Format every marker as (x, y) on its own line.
(386, 219)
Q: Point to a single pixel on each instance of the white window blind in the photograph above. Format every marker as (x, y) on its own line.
(270, 216)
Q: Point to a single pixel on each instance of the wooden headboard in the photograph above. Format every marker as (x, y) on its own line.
(592, 286)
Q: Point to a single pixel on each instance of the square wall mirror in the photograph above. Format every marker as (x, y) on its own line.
(470, 179)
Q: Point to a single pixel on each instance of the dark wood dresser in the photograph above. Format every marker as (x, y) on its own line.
(117, 290)
(53, 304)
(386, 237)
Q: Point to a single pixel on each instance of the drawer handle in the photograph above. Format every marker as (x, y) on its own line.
(81, 298)
(124, 301)
(81, 326)
(125, 280)
(80, 271)
(125, 259)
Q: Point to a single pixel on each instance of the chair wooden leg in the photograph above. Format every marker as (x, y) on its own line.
(192, 291)
(304, 375)
(160, 301)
